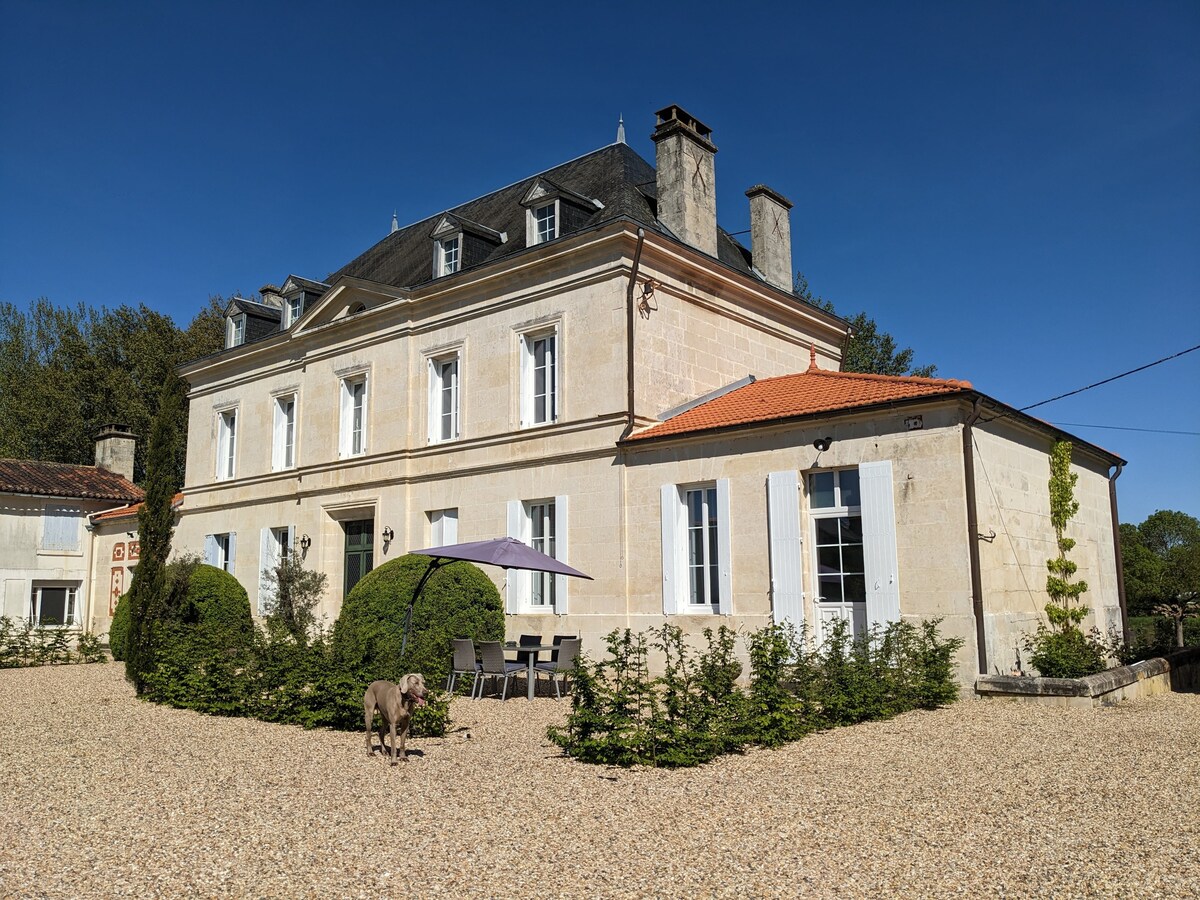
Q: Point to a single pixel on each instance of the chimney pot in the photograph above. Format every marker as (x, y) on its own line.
(771, 235)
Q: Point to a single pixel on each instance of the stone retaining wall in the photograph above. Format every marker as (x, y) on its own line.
(1177, 672)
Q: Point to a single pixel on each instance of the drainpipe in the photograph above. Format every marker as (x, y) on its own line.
(973, 533)
(637, 259)
(1116, 531)
(846, 346)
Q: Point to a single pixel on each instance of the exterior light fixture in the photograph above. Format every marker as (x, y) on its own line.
(305, 542)
(388, 534)
(822, 444)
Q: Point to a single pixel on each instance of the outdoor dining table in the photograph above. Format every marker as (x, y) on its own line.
(533, 650)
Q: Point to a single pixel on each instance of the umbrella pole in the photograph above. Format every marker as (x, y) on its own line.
(433, 565)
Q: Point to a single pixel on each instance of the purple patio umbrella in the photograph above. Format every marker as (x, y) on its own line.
(507, 553)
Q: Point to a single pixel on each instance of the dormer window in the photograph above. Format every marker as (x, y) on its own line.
(449, 255)
(235, 330)
(292, 308)
(545, 223)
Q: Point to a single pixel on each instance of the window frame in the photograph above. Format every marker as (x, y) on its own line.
(676, 573)
(443, 526)
(292, 316)
(442, 267)
(346, 425)
(534, 224)
(71, 604)
(519, 585)
(528, 376)
(710, 564)
(221, 550)
(437, 432)
(838, 511)
(541, 515)
(235, 330)
(227, 441)
(283, 450)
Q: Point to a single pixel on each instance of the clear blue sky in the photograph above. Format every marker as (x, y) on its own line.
(1011, 188)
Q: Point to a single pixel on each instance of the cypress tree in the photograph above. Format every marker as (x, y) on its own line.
(148, 592)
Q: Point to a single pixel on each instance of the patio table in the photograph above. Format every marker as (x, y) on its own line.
(533, 650)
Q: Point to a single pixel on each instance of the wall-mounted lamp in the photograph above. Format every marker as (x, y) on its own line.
(823, 444)
(388, 534)
(305, 542)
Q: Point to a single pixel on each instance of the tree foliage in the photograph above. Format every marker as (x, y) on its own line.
(149, 599)
(869, 349)
(1161, 561)
(67, 370)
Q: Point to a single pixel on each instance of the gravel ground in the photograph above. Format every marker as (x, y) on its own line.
(101, 795)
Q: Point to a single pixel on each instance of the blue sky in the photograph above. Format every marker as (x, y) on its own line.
(1013, 189)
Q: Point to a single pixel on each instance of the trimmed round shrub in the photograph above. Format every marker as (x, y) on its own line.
(458, 601)
(217, 604)
(119, 628)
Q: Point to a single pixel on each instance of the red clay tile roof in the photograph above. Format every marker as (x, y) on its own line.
(28, 476)
(806, 393)
(131, 510)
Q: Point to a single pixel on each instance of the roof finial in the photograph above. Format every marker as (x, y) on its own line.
(812, 357)
(395, 223)
(621, 129)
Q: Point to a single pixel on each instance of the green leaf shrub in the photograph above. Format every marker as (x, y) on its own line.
(118, 629)
(458, 601)
(23, 644)
(1067, 653)
(695, 711)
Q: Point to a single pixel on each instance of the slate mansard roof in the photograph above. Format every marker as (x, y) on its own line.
(47, 479)
(615, 175)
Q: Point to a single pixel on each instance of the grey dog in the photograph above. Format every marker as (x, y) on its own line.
(395, 703)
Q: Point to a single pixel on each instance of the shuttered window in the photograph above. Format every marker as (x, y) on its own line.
(60, 528)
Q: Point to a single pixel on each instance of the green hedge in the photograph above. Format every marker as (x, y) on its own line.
(119, 628)
(458, 601)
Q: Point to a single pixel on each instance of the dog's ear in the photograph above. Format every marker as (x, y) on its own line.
(405, 684)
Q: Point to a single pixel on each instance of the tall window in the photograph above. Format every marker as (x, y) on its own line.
(283, 453)
(226, 443)
(219, 550)
(443, 399)
(542, 533)
(703, 556)
(539, 378)
(449, 255)
(354, 416)
(235, 330)
(443, 527)
(838, 536)
(53, 606)
(545, 223)
(276, 547)
(295, 306)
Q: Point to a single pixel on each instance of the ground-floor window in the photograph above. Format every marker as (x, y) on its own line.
(696, 549)
(360, 551)
(542, 524)
(703, 555)
(53, 605)
(542, 538)
(220, 550)
(837, 537)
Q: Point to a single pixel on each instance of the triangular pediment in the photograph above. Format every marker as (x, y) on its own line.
(446, 224)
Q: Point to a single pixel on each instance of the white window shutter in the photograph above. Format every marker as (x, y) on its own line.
(277, 437)
(232, 552)
(724, 548)
(561, 553)
(517, 578)
(210, 549)
(879, 543)
(784, 536)
(672, 573)
(346, 423)
(449, 526)
(526, 381)
(291, 533)
(433, 406)
(267, 562)
(222, 446)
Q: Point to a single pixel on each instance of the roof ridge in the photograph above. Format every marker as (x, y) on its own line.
(875, 376)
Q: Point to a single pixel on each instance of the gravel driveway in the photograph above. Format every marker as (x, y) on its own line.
(101, 795)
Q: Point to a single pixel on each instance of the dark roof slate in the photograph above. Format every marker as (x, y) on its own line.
(28, 476)
(615, 175)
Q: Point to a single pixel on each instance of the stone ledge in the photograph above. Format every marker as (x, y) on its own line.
(1178, 671)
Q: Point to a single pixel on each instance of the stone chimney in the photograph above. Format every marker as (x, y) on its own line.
(771, 235)
(271, 296)
(687, 198)
(114, 450)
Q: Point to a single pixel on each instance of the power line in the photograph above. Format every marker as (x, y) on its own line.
(1122, 428)
(1157, 362)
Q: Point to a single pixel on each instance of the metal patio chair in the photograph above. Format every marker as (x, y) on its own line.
(496, 666)
(464, 664)
(568, 652)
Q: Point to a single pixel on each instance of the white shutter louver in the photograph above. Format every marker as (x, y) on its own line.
(267, 563)
(879, 543)
(671, 570)
(561, 554)
(210, 550)
(517, 579)
(785, 543)
(724, 550)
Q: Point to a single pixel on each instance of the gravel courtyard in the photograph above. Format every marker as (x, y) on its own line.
(107, 796)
